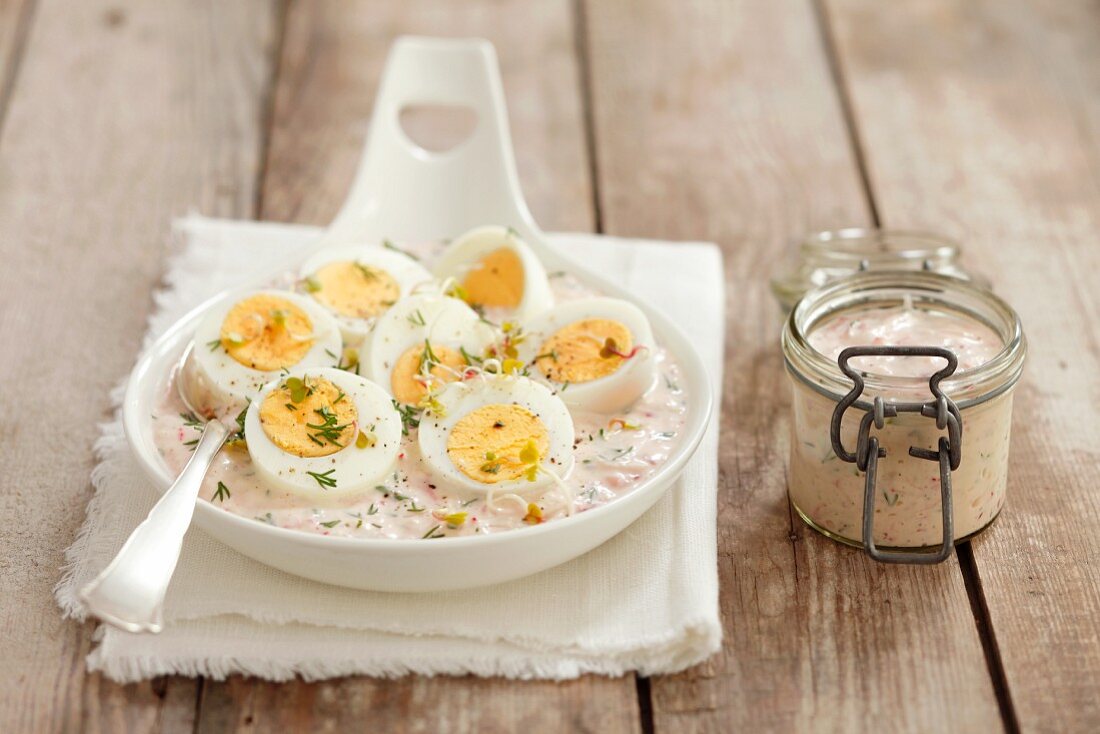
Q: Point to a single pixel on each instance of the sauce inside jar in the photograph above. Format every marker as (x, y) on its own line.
(973, 342)
(828, 492)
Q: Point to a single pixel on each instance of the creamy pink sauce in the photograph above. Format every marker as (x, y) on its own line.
(829, 492)
(610, 461)
(973, 342)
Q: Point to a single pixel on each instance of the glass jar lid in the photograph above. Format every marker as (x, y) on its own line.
(826, 256)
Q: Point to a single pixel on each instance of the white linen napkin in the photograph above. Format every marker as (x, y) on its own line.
(647, 600)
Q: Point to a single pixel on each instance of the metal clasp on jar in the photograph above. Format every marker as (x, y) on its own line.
(868, 451)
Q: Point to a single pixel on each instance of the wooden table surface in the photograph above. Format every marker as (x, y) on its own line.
(746, 123)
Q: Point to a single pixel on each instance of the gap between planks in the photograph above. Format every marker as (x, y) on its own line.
(967, 565)
(844, 99)
(584, 73)
(267, 121)
(10, 66)
(584, 82)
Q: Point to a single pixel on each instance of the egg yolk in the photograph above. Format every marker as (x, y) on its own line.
(322, 422)
(496, 280)
(447, 366)
(576, 353)
(485, 444)
(354, 289)
(266, 333)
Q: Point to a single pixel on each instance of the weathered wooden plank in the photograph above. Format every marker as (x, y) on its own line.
(983, 118)
(719, 120)
(15, 23)
(422, 705)
(123, 115)
(331, 62)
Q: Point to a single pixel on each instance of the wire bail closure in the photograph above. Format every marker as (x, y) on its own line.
(868, 451)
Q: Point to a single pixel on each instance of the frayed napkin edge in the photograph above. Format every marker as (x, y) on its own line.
(123, 668)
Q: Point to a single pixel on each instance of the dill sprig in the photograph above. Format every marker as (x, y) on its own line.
(390, 246)
(238, 438)
(368, 272)
(427, 358)
(409, 417)
(470, 359)
(325, 479)
(191, 420)
(352, 356)
(328, 429)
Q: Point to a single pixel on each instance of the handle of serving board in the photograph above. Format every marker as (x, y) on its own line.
(402, 191)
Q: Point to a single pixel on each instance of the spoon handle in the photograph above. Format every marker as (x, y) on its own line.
(129, 593)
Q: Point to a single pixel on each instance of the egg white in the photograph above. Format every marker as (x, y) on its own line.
(616, 391)
(464, 252)
(407, 272)
(217, 384)
(461, 398)
(447, 321)
(354, 469)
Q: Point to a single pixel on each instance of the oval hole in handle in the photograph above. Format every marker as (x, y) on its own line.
(437, 128)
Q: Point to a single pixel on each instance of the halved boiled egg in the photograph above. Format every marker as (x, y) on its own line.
(324, 433)
(243, 344)
(497, 433)
(423, 342)
(498, 272)
(597, 351)
(357, 284)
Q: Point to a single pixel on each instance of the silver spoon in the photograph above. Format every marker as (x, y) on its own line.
(129, 593)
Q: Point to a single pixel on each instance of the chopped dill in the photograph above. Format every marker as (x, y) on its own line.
(409, 418)
(390, 246)
(433, 534)
(324, 479)
(368, 272)
(427, 358)
(470, 359)
(191, 420)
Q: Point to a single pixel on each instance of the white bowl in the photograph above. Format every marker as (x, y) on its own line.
(404, 192)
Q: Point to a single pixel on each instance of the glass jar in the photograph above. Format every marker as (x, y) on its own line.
(901, 464)
(826, 256)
